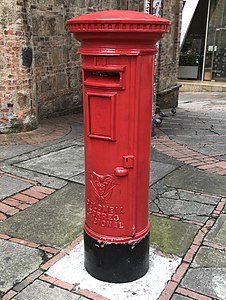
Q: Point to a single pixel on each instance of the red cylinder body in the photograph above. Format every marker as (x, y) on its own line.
(117, 49)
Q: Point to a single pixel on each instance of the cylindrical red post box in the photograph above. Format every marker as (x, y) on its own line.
(117, 49)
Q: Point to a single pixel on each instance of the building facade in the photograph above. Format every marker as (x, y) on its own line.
(40, 72)
(203, 40)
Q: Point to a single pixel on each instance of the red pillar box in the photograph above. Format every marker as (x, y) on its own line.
(117, 50)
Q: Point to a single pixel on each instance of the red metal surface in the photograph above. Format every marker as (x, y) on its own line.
(117, 50)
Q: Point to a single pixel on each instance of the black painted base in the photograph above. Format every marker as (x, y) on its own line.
(116, 263)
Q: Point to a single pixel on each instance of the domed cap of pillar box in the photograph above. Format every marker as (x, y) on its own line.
(118, 26)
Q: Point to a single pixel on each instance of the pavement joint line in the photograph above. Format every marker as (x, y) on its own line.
(4, 236)
(214, 246)
(61, 254)
(9, 295)
(27, 173)
(43, 151)
(192, 294)
(220, 206)
(27, 280)
(59, 283)
(21, 168)
(177, 219)
(21, 178)
(168, 291)
(24, 242)
(91, 295)
(29, 244)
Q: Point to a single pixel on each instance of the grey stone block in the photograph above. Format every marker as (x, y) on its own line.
(196, 180)
(55, 221)
(16, 263)
(217, 232)
(42, 291)
(64, 163)
(10, 186)
(207, 281)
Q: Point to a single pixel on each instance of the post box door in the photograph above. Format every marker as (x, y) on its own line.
(110, 188)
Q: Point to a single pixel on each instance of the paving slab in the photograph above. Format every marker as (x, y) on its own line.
(183, 204)
(161, 157)
(40, 290)
(71, 269)
(45, 180)
(209, 257)
(55, 221)
(217, 233)
(222, 157)
(185, 209)
(80, 178)
(159, 170)
(170, 236)
(224, 209)
(8, 151)
(10, 186)
(64, 163)
(207, 281)
(190, 178)
(18, 262)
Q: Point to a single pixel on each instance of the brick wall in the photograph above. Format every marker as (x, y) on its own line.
(17, 111)
(39, 69)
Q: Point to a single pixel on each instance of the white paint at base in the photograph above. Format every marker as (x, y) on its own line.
(219, 285)
(71, 269)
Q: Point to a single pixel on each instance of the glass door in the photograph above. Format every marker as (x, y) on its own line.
(218, 65)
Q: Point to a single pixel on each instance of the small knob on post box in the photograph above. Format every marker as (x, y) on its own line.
(121, 172)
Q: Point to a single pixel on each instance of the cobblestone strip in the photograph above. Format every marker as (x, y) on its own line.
(180, 152)
(20, 201)
(173, 284)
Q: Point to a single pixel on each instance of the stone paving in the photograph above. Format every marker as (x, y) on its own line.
(42, 209)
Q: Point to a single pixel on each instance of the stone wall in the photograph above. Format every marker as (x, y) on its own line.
(167, 90)
(39, 69)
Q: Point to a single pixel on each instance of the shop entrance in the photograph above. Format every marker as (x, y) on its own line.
(218, 66)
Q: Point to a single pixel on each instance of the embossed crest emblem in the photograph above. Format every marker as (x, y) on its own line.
(103, 186)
